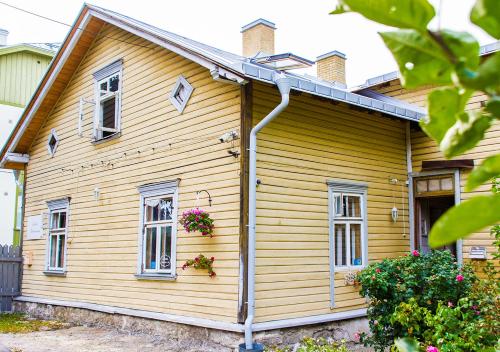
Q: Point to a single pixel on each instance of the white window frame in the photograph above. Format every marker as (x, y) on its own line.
(101, 76)
(155, 191)
(346, 188)
(57, 206)
(181, 82)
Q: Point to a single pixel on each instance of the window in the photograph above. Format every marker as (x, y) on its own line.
(181, 93)
(57, 235)
(108, 101)
(52, 142)
(158, 229)
(347, 224)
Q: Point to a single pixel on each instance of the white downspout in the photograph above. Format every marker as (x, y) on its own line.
(283, 84)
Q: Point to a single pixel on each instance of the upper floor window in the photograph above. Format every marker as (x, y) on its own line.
(57, 236)
(181, 93)
(158, 229)
(348, 224)
(108, 83)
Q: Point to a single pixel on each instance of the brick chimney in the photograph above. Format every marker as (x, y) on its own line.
(258, 36)
(3, 36)
(331, 66)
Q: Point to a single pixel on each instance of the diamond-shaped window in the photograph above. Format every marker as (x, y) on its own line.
(52, 142)
(181, 93)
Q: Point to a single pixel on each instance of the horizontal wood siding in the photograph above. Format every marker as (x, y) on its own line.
(157, 144)
(310, 142)
(425, 148)
(20, 73)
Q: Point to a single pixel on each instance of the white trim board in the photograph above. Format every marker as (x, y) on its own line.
(207, 323)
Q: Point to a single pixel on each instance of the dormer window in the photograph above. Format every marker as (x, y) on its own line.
(52, 142)
(108, 101)
(181, 93)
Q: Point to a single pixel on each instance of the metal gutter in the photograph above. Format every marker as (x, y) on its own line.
(283, 84)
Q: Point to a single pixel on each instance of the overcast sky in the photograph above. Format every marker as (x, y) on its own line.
(303, 27)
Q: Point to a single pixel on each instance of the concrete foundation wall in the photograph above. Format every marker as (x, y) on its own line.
(193, 338)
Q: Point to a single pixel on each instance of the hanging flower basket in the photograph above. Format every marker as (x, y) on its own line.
(198, 220)
(201, 262)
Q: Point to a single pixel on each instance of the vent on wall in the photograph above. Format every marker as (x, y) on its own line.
(52, 142)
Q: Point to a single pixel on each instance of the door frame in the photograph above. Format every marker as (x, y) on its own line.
(411, 201)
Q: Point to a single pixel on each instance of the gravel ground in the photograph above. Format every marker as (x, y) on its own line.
(87, 339)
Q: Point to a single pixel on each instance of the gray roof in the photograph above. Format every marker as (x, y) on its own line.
(387, 77)
(252, 70)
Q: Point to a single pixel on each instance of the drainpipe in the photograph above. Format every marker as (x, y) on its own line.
(283, 84)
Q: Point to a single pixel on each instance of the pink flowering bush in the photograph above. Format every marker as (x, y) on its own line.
(198, 220)
(426, 278)
(201, 262)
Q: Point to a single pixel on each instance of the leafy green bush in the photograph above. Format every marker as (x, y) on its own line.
(315, 345)
(427, 279)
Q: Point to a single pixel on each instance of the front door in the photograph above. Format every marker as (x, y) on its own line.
(434, 195)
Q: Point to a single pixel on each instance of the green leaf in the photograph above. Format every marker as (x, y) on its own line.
(465, 218)
(490, 168)
(486, 79)
(420, 59)
(444, 105)
(415, 14)
(463, 46)
(465, 133)
(493, 107)
(407, 344)
(486, 14)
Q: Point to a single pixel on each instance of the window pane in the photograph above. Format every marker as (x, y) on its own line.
(340, 245)
(422, 186)
(150, 248)
(181, 94)
(108, 113)
(60, 259)
(62, 220)
(338, 205)
(103, 88)
(113, 83)
(352, 205)
(166, 247)
(54, 220)
(434, 185)
(355, 230)
(53, 251)
(446, 184)
(166, 209)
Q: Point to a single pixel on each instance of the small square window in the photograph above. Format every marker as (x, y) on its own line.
(181, 93)
(52, 142)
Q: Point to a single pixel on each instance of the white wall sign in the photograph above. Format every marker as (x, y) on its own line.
(34, 228)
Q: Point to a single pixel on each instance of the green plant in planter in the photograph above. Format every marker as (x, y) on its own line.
(201, 262)
(428, 279)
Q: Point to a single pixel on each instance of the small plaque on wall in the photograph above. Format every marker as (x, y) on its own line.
(35, 231)
(478, 253)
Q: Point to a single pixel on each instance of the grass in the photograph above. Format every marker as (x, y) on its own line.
(14, 323)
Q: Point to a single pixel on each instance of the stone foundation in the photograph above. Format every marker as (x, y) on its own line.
(189, 337)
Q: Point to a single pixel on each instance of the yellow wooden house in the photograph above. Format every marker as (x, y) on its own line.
(306, 181)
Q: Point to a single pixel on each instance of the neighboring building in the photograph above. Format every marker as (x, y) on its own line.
(131, 120)
(21, 67)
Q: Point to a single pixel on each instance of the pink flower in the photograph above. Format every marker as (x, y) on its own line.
(415, 253)
(432, 349)
(460, 278)
(212, 259)
(450, 304)
(378, 270)
(356, 336)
